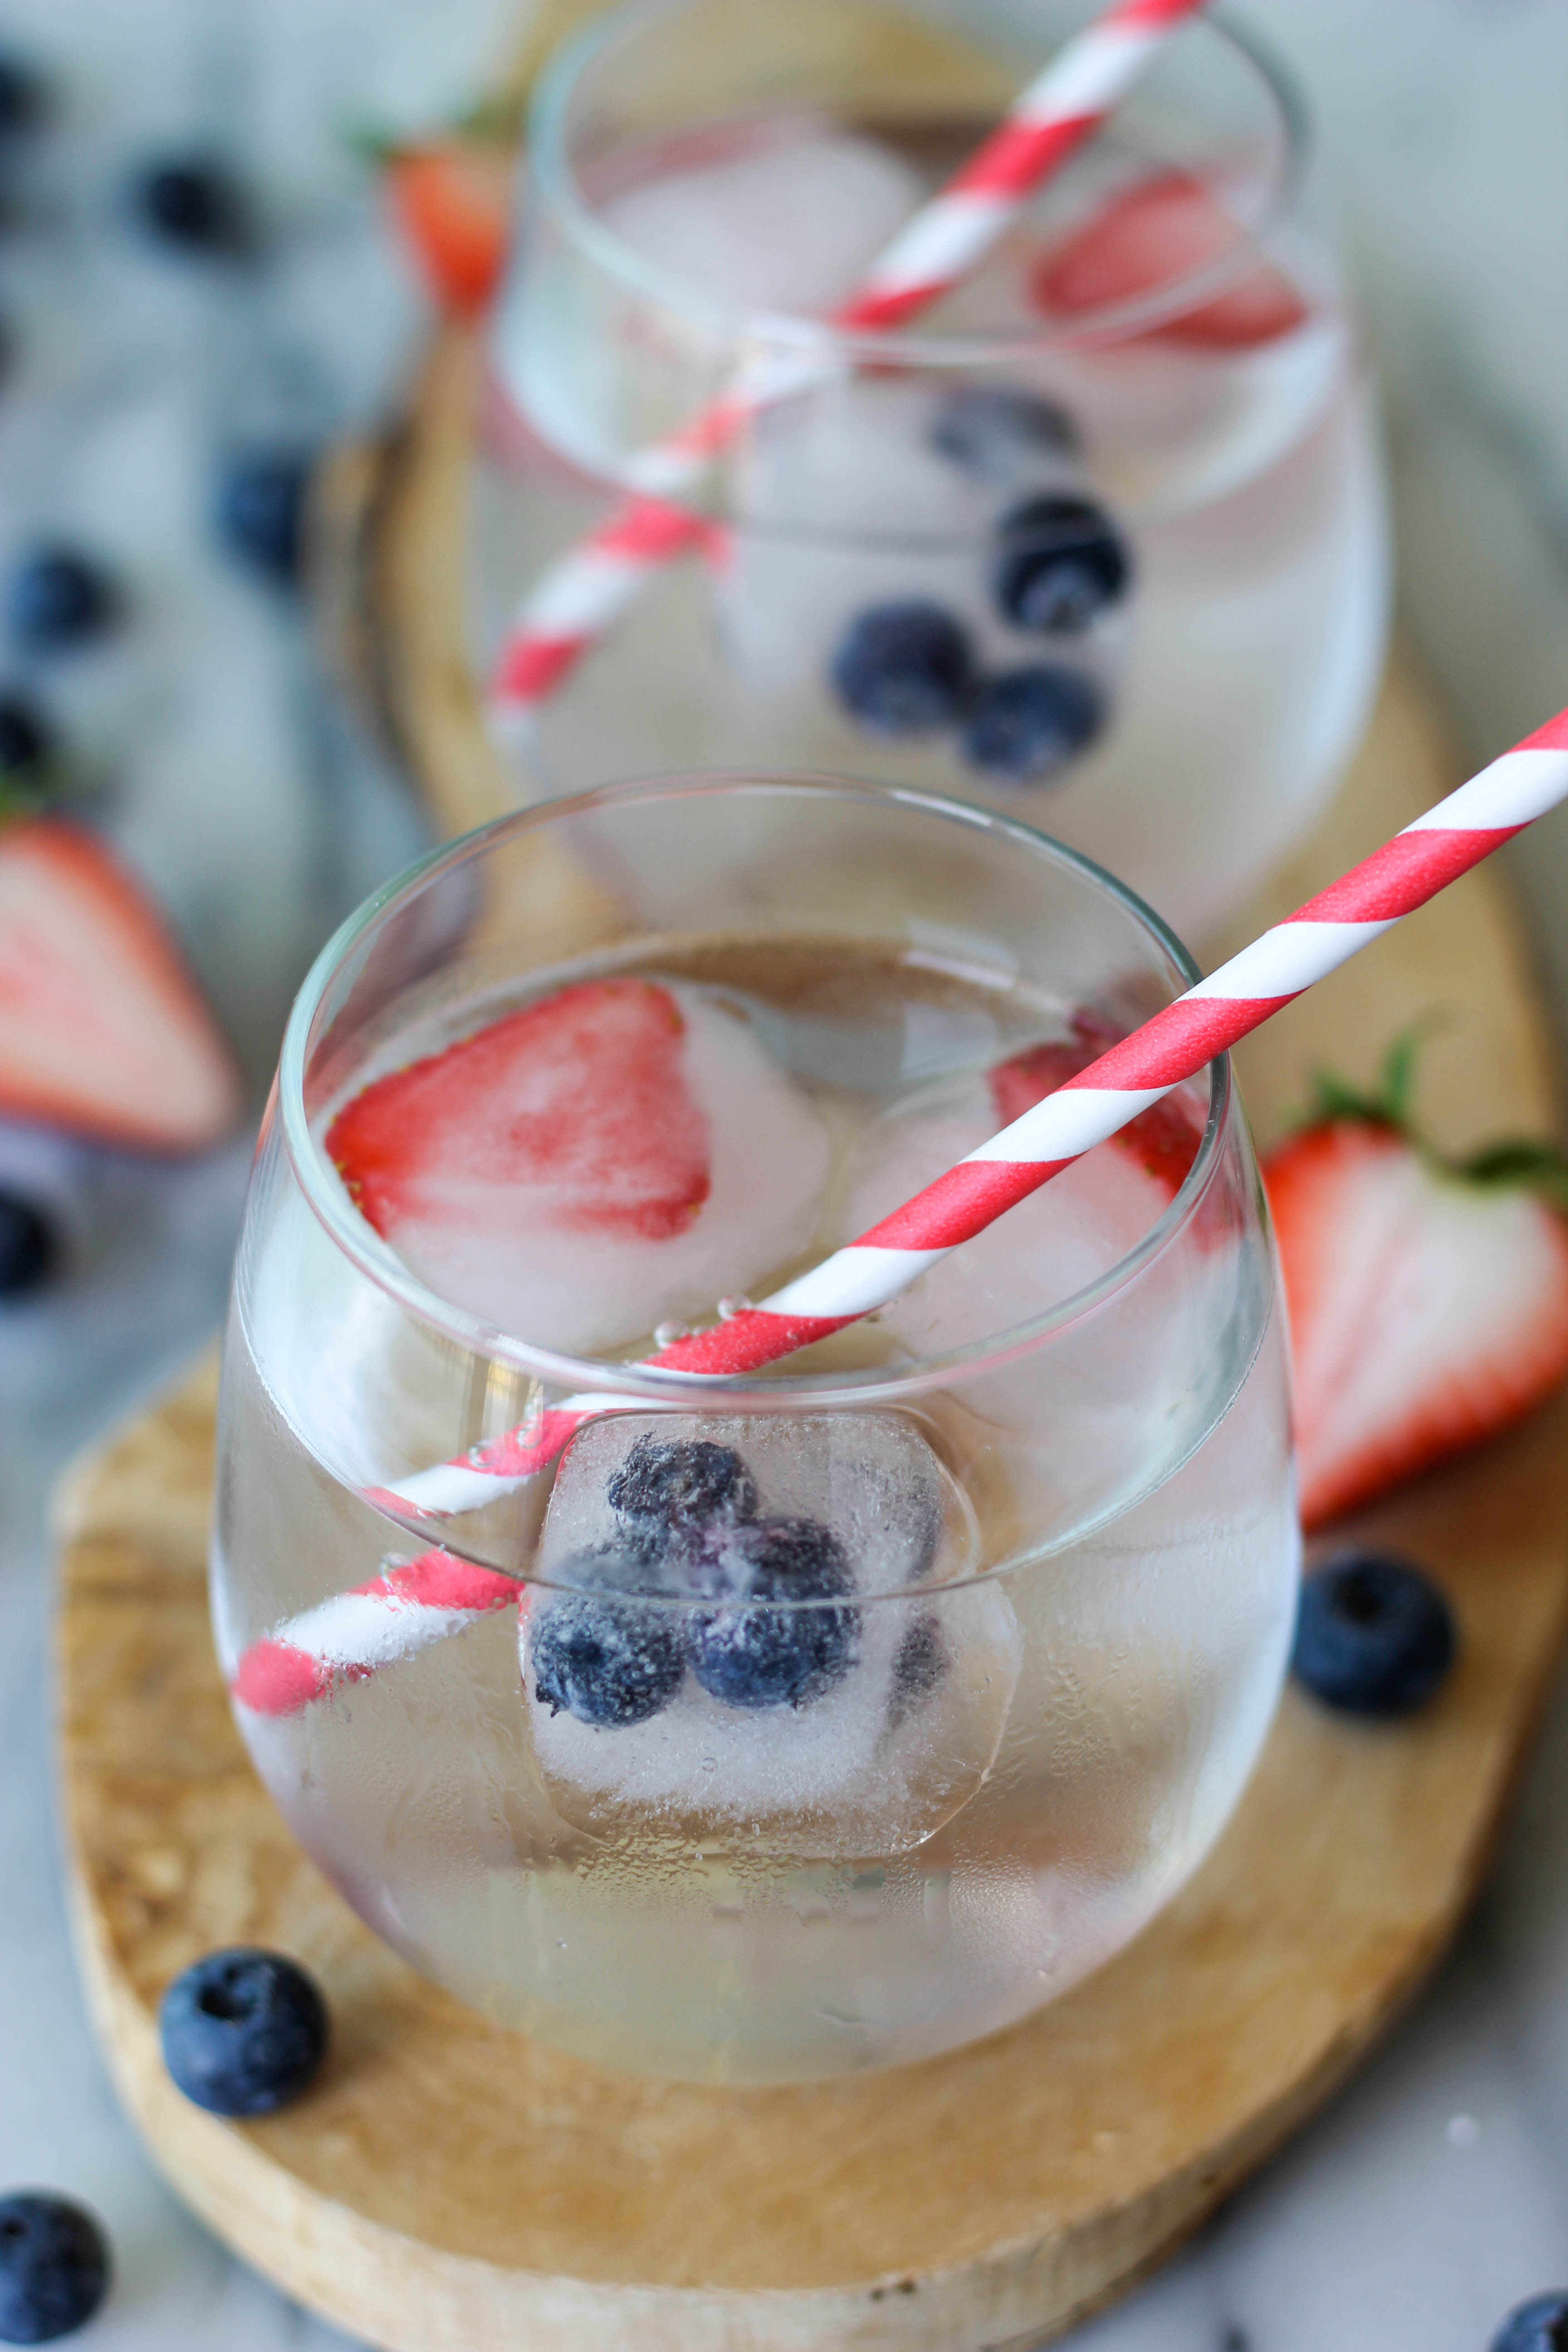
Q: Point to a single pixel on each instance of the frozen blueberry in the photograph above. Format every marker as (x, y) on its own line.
(23, 99)
(260, 510)
(606, 1657)
(675, 1487)
(1059, 564)
(1373, 1636)
(195, 202)
(29, 1249)
(919, 1665)
(25, 739)
(54, 2267)
(1539, 2325)
(751, 1655)
(902, 669)
(1025, 723)
(994, 429)
(59, 598)
(244, 2032)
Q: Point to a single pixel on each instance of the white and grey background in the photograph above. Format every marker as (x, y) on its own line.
(1434, 2192)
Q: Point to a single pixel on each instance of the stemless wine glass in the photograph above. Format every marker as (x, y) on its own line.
(791, 1724)
(1098, 540)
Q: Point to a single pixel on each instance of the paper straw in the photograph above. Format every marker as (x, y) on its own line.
(1168, 1050)
(404, 1610)
(582, 596)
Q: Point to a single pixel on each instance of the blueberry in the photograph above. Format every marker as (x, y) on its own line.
(25, 739)
(60, 598)
(675, 1487)
(1059, 564)
(993, 430)
(1539, 2325)
(29, 1249)
(903, 668)
(751, 1655)
(919, 1665)
(243, 2032)
(1027, 723)
(194, 201)
(260, 510)
(54, 2267)
(1373, 1636)
(606, 1657)
(24, 100)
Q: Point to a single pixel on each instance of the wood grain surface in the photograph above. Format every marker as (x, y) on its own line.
(452, 2188)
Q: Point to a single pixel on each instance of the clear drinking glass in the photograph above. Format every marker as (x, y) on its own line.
(910, 1776)
(1126, 474)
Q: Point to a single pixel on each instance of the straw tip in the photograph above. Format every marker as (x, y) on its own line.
(275, 1678)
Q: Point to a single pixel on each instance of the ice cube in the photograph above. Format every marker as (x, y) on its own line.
(878, 492)
(527, 1263)
(1002, 432)
(648, 1481)
(786, 222)
(1048, 1248)
(845, 504)
(842, 1692)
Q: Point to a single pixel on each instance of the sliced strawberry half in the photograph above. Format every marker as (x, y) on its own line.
(452, 202)
(1429, 1303)
(1163, 1139)
(1152, 236)
(101, 1029)
(572, 1115)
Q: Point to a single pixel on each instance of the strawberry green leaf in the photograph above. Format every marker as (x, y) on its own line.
(1519, 1164)
(495, 122)
(1387, 1103)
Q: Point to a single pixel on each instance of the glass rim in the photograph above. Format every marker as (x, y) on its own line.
(864, 1385)
(549, 169)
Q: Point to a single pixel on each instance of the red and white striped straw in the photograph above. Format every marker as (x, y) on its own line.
(585, 594)
(344, 1639)
(347, 1638)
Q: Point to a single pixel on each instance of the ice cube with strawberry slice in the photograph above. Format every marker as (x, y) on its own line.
(1428, 1298)
(1052, 1244)
(1162, 1140)
(593, 1164)
(1151, 237)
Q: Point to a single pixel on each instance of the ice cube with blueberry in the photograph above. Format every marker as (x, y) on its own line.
(842, 507)
(759, 1632)
(1002, 433)
(931, 567)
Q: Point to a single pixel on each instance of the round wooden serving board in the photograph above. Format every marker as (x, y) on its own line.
(451, 2187)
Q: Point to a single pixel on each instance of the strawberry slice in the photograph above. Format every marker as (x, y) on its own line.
(572, 1115)
(605, 1161)
(1151, 235)
(452, 200)
(1429, 1303)
(101, 1030)
(1163, 1139)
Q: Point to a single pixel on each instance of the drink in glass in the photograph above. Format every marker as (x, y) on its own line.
(808, 1721)
(1096, 540)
